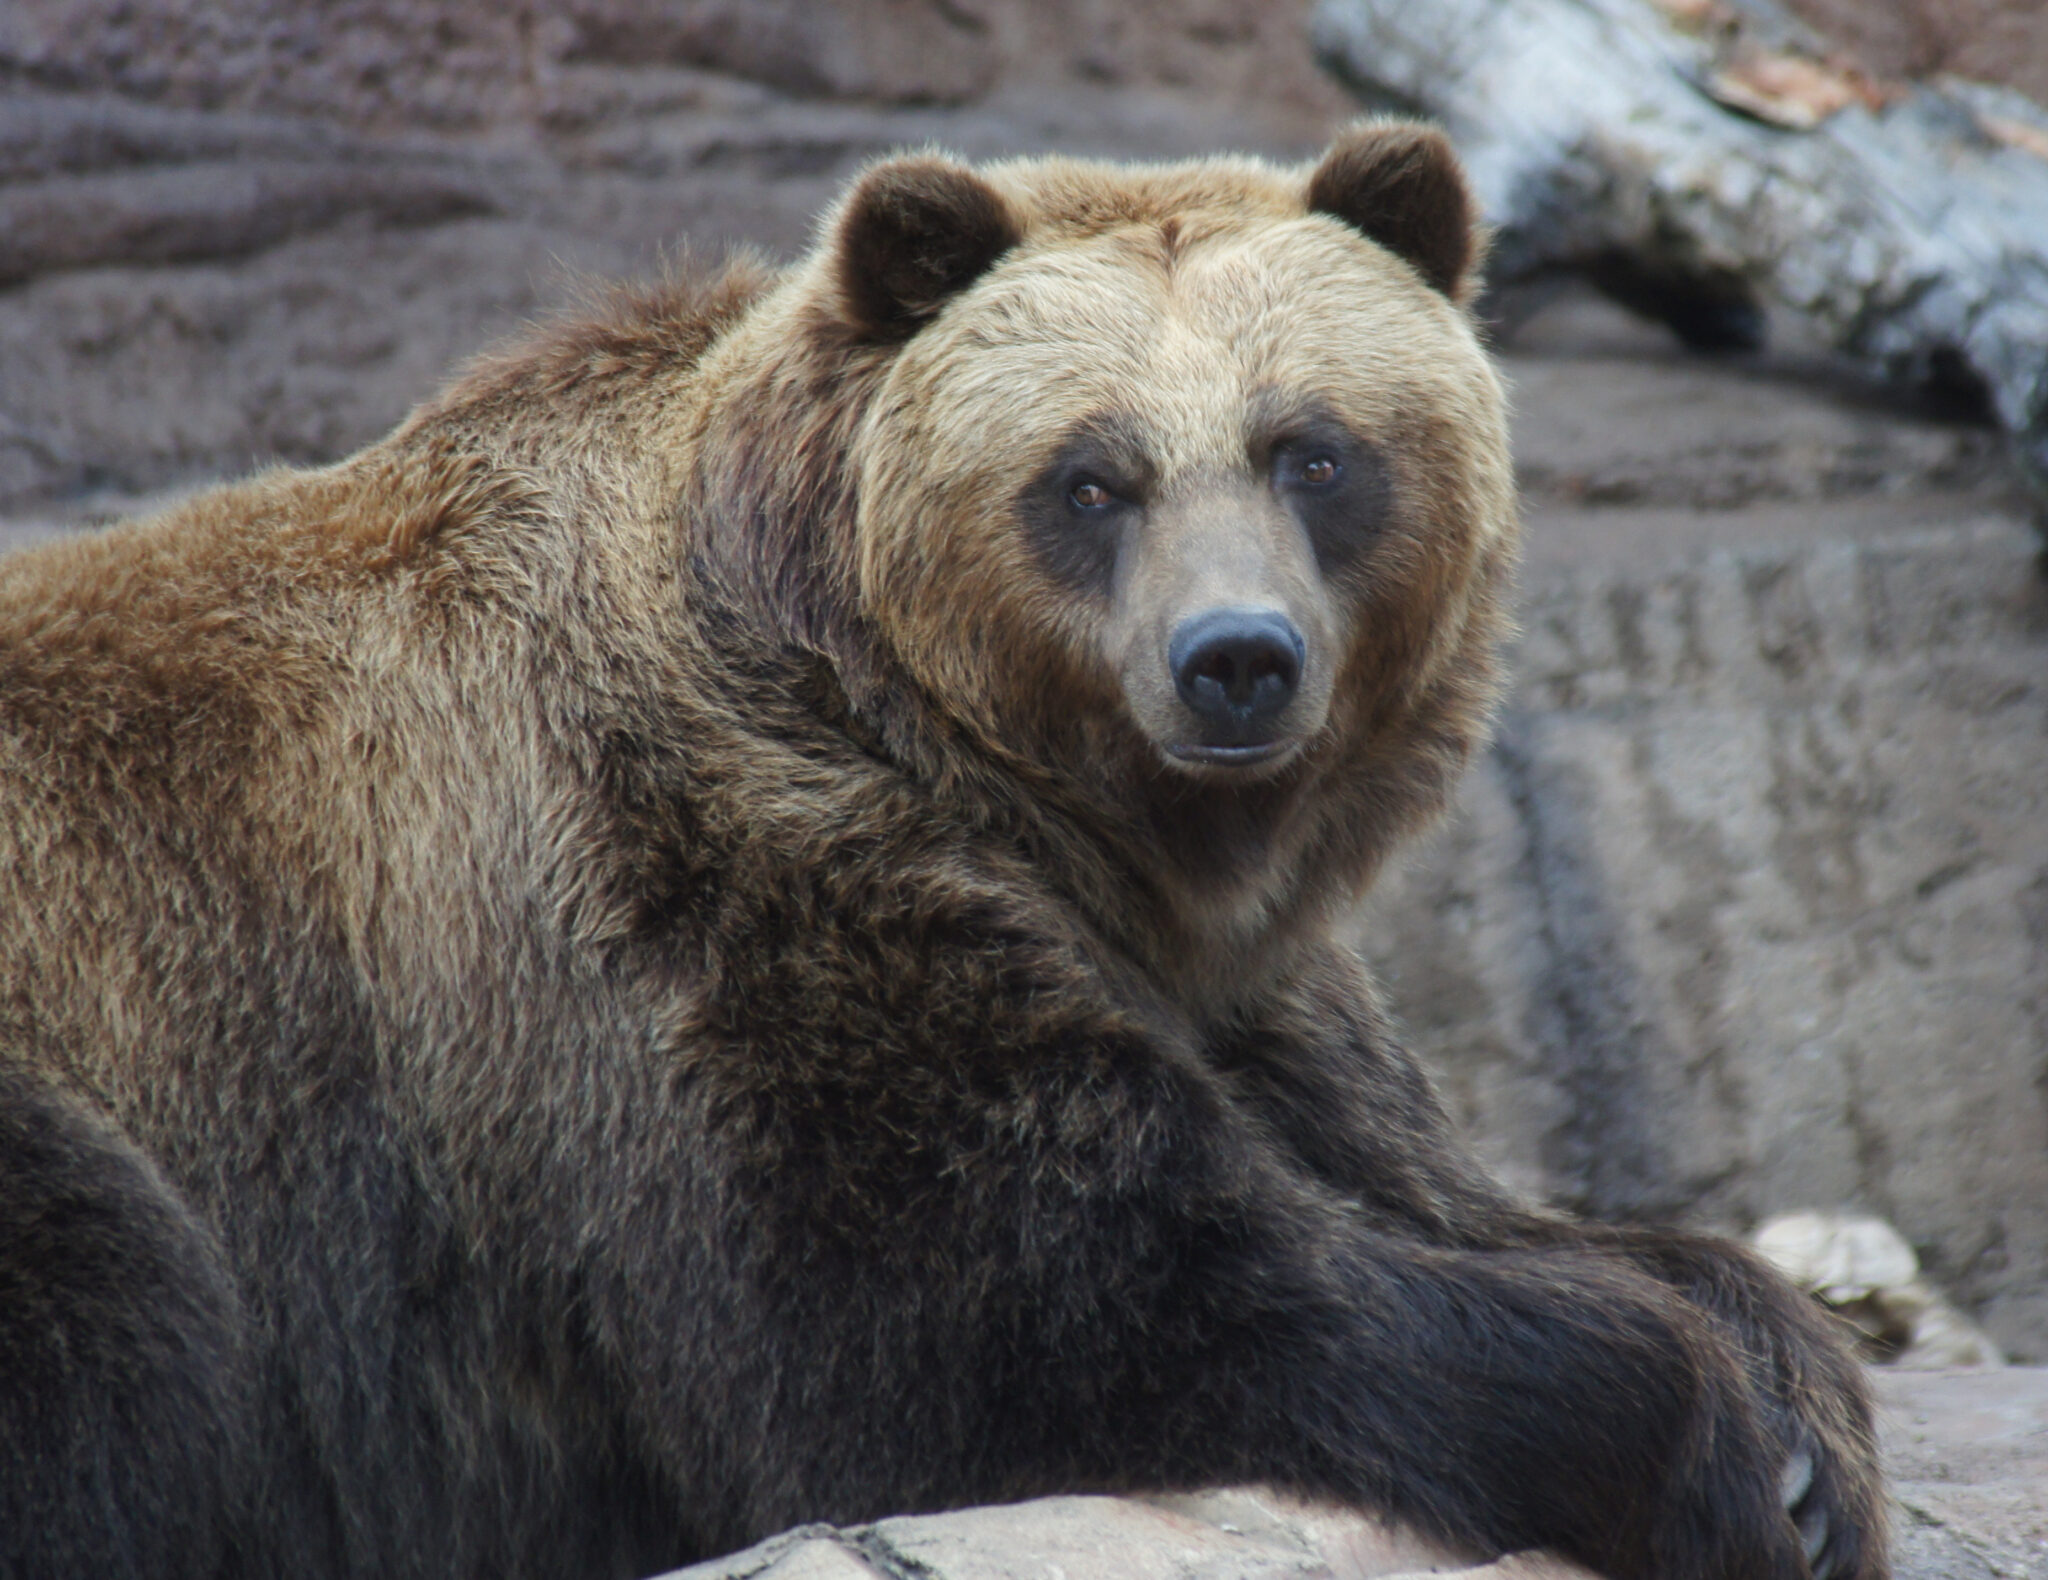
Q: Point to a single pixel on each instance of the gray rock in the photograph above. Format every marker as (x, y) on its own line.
(901, 51)
(223, 210)
(44, 134)
(1907, 226)
(1968, 1456)
(1246, 1534)
(1746, 909)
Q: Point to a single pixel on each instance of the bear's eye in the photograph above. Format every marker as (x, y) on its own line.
(1090, 496)
(1313, 465)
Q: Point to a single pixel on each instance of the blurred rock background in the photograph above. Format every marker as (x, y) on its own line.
(1747, 911)
(233, 231)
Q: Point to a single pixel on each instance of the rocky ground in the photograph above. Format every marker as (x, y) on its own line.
(1747, 912)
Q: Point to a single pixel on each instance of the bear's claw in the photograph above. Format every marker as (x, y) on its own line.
(1798, 1491)
(1795, 1479)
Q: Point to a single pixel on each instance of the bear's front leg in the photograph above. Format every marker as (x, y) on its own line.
(123, 1388)
(1819, 1399)
(993, 1234)
(1354, 1107)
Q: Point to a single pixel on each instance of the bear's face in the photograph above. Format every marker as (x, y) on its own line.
(1191, 457)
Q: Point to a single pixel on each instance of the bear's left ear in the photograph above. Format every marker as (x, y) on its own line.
(914, 232)
(1399, 183)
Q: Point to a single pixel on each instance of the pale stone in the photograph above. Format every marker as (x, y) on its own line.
(1838, 1256)
(1864, 1270)
(1348, 1542)
(816, 1560)
(1088, 1539)
(1247, 1533)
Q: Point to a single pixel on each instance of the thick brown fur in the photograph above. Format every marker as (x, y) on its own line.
(647, 959)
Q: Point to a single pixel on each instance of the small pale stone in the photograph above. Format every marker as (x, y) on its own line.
(1839, 1257)
(1864, 1268)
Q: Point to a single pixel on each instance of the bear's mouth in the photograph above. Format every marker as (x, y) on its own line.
(1230, 756)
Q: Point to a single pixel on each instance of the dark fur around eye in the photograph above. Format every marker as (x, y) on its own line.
(1078, 508)
(1337, 486)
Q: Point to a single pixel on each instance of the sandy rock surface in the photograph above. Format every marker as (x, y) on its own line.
(1968, 1455)
(1245, 1534)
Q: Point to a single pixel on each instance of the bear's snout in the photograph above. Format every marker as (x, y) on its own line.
(1236, 669)
(1224, 632)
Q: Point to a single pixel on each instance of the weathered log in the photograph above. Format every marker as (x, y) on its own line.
(1700, 159)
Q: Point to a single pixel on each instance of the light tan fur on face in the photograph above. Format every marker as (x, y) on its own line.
(1188, 322)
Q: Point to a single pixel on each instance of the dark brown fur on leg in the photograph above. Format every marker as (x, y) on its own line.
(123, 1401)
(1818, 1401)
(1316, 1074)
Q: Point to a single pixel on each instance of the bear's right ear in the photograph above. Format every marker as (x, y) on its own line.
(1399, 183)
(914, 232)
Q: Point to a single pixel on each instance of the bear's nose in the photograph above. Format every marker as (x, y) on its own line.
(1236, 669)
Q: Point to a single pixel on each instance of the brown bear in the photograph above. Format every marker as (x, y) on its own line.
(733, 926)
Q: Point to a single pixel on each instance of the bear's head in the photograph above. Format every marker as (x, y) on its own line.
(1183, 488)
